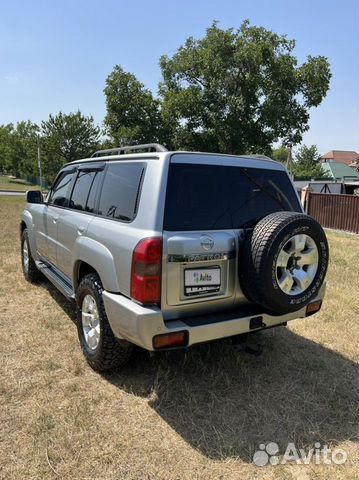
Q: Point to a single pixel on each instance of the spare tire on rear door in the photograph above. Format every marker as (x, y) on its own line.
(284, 261)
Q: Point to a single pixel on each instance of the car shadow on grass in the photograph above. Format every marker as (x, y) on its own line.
(68, 306)
(225, 403)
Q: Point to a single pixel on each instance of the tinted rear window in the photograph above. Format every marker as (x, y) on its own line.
(210, 197)
(81, 190)
(120, 191)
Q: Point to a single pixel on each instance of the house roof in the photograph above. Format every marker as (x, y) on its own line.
(340, 171)
(341, 156)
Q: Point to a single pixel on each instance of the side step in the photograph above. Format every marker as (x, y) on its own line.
(56, 279)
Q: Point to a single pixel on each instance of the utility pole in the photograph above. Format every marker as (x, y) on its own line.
(39, 159)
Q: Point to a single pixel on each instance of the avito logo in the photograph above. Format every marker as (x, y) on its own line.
(202, 277)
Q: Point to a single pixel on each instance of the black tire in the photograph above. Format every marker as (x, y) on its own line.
(110, 352)
(258, 263)
(30, 270)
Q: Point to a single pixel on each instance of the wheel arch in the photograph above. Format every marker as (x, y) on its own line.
(81, 269)
(26, 222)
(91, 256)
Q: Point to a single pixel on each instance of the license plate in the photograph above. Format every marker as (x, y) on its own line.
(199, 281)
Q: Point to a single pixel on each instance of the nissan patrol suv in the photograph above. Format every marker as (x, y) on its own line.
(165, 250)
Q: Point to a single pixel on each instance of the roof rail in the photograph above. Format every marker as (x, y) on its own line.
(258, 156)
(147, 147)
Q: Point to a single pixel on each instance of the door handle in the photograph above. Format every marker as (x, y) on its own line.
(54, 220)
(80, 230)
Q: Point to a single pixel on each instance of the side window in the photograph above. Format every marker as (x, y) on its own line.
(90, 205)
(61, 190)
(81, 189)
(120, 191)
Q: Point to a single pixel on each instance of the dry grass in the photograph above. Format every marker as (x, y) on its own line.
(7, 183)
(198, 415)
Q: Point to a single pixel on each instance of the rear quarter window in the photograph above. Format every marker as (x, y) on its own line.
(120, 191)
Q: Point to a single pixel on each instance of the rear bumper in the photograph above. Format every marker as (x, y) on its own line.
(139, 324)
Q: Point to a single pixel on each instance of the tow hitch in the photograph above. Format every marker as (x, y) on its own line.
(246, 342)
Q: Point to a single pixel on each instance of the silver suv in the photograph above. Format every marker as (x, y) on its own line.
(168, 249)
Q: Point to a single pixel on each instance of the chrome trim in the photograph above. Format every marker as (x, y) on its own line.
(201, 257)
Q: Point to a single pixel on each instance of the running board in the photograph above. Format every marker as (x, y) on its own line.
(57, 280)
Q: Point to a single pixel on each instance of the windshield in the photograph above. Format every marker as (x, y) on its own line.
(213, 197)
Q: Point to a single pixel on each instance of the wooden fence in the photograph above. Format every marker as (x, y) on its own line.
(334, 211)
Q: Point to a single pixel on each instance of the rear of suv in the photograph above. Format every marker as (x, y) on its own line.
(169, 249)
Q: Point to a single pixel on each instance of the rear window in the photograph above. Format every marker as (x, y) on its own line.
(120, 191)
(213, 197)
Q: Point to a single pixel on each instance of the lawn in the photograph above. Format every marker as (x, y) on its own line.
(198, 415)
(7, 183)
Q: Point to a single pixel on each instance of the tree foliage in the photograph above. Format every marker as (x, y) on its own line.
(67, 137)
(233, 91)
(132, 113)
(240, 91)
(63, 138)
(6, 132)
(307, 164)
(355, 164)
(18, 148)
(280, 154)
(25, 148)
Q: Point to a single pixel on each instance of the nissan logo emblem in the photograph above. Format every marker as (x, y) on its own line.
(207, 242)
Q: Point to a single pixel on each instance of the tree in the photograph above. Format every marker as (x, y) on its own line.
(24, 154)
(239, 91)
(355, 164)
(132, 113)
(67, 138)
(18, 148)
(307, 164)
(6, 147)
(280, 154)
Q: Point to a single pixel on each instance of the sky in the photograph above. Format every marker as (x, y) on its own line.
(55, 55)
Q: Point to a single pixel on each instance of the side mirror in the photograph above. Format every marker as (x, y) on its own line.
(34, 196)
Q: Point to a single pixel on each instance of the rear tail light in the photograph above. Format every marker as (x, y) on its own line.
(146, 271)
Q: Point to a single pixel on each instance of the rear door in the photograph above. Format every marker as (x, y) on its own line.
(75, 219)
(210, 200)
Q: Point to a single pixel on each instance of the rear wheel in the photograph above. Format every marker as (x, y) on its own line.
(99, 345)
(284, 261)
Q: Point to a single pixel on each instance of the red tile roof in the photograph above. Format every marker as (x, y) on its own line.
(341, 156)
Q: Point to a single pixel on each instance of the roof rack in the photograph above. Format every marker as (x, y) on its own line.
(146, 147)
(258, 156)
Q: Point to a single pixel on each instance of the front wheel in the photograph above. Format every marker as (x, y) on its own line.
(99, 345)
(29, 268)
